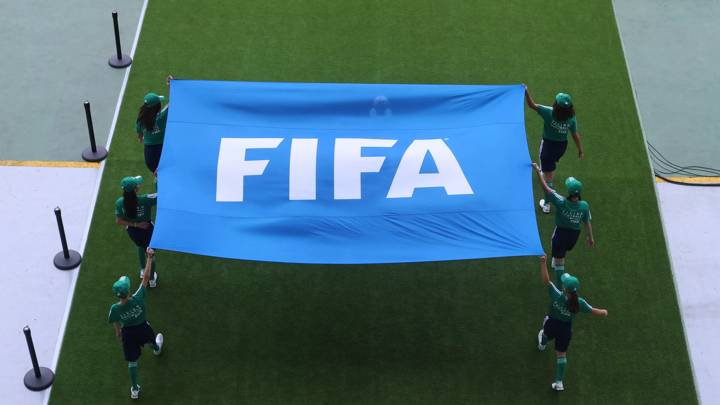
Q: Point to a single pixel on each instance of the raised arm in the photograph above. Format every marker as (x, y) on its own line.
(544, 270)
(543, 183)
(578, 143)
(168, 80)
(149, 253)
(529, 100)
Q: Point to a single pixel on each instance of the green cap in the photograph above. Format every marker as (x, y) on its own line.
(562, 99)
(570, 282)
(121, 287)
(152, 99)
(131, 183)
(573, 185)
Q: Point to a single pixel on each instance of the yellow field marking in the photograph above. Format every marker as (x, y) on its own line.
(41, 163)
(712, 180)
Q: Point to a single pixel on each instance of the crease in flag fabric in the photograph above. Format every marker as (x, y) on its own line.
(345, 173)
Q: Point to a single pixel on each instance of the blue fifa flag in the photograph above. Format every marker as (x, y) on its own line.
(345, 173)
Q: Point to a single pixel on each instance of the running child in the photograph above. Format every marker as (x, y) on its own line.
(128, 316)
(564, 305)
(133, 212)
(559, 121)
(571, 212)
(150, 128)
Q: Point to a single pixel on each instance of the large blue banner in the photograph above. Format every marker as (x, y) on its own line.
(345, 173)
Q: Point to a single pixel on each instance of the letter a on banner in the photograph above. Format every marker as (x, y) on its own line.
(408, 177)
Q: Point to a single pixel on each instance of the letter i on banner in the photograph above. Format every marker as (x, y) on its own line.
(303, 169)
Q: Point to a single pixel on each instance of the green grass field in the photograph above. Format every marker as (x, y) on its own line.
(431, 333)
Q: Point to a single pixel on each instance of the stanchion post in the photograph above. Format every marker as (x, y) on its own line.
(119, 60)
(93, 153)
(116, 29)
(67, 259)
(39, 378)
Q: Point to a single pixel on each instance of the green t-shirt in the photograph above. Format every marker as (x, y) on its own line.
(156, 135)
(132, 313)
(555, 130)
(144, 208)
(559, 305)
(569, 214)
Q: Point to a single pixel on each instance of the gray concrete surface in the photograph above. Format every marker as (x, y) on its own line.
(54, 56)
(672, 52)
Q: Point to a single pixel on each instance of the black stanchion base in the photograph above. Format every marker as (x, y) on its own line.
(38, 384)
(89, 156)
(67, 264)
(120, 63)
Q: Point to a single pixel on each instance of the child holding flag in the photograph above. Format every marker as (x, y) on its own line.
(571, 212)
(131, 327)
(559, 121)
(133, 212)
(150, 127)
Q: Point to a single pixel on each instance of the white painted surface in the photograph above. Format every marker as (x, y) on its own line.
(692, 221)
(34, 291)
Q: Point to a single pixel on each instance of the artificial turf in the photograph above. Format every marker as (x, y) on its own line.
(434, 333)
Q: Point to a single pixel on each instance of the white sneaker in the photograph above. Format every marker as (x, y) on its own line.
(153, 281)
(134, 394)
(558, 386)
(159, 339)
(545, 206)
(541, 346)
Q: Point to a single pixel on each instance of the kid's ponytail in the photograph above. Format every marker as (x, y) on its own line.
(573, 304)
(561, 113)
(130, 203)
(146, 116)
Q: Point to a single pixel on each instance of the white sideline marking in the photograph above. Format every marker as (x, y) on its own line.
(657, 199)
(68, 304)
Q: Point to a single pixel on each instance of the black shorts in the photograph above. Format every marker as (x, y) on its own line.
(140, 236)
(152, 156)
(134, 338)
(560, 331)
(563, 240)
(550, 154)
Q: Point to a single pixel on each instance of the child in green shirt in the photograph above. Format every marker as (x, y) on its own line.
(131, 327)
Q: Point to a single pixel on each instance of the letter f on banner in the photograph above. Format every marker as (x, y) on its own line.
(350, 164)
(232, 166)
